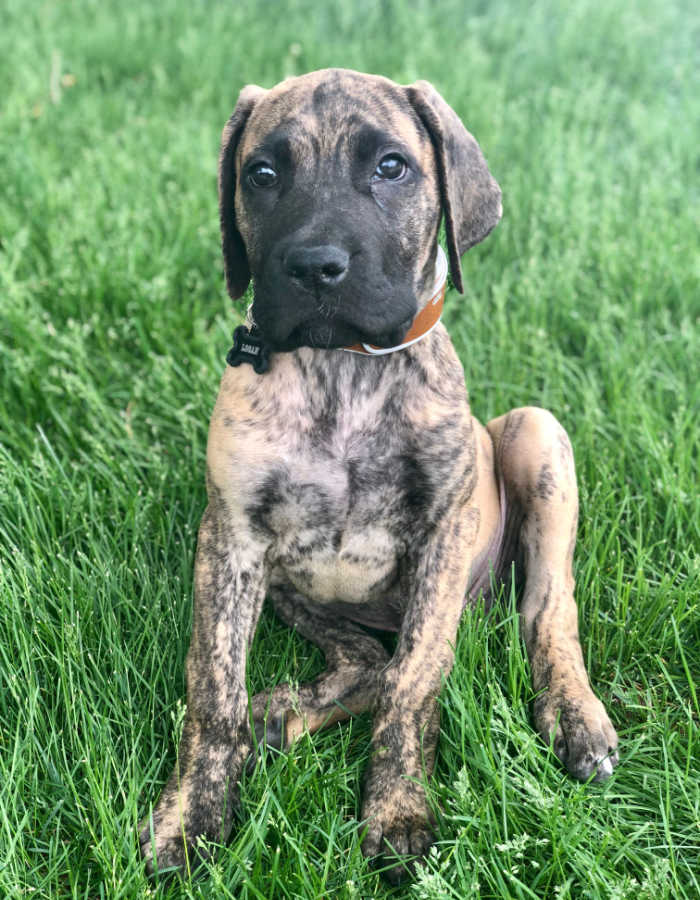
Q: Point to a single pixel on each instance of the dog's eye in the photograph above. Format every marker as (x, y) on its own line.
(390, 167)
(262, 175)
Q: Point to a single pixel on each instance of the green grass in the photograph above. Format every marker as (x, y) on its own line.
(113, 327)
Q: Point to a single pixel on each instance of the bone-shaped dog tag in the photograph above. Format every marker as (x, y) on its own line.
(249, 347)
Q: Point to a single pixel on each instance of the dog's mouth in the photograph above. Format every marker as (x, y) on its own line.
(325, 335)
(375, 312)
(315, 329)
(377, 309)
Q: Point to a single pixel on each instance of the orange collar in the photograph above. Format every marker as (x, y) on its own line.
(425, 320)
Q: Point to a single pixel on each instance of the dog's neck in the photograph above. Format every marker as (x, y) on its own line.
(425, 319)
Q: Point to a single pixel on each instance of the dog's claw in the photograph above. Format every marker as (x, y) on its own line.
(396, 852)
(605, 767)
(399, 832)
(270, 732)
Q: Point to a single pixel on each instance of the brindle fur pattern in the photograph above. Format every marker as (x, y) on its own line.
(358, 492)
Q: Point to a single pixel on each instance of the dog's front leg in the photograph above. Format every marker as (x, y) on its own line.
(199, 798)
(406, 720)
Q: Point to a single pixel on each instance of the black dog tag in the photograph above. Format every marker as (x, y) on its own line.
(249, 347)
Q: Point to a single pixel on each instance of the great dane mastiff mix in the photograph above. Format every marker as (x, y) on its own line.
(349, 482)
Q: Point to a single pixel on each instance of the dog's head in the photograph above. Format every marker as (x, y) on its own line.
(331, 189)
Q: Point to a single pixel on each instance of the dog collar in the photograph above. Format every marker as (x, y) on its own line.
(425, 320)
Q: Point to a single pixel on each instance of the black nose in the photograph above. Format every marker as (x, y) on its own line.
(317, 267)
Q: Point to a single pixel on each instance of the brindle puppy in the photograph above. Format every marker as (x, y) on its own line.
(357, 490)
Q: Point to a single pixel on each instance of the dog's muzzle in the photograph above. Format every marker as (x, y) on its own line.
(323, 304)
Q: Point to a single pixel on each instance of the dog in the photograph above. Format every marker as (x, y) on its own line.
(347, 480)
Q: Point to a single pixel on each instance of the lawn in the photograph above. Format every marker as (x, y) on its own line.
(114, 323)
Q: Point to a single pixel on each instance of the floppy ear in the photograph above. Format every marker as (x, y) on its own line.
(471, 199)
(235, 258)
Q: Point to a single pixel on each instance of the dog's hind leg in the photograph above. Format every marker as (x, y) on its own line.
(535, 461)
(347, 687)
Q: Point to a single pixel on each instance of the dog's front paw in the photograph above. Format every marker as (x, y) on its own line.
(188, 811)
(163, 841)
(580, 732)
(399, 824)
(169, 839)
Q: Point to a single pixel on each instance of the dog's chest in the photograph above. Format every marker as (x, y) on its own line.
(340, 511)
(327, 467)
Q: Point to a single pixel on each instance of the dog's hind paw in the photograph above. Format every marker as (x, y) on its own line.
(581, 734)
